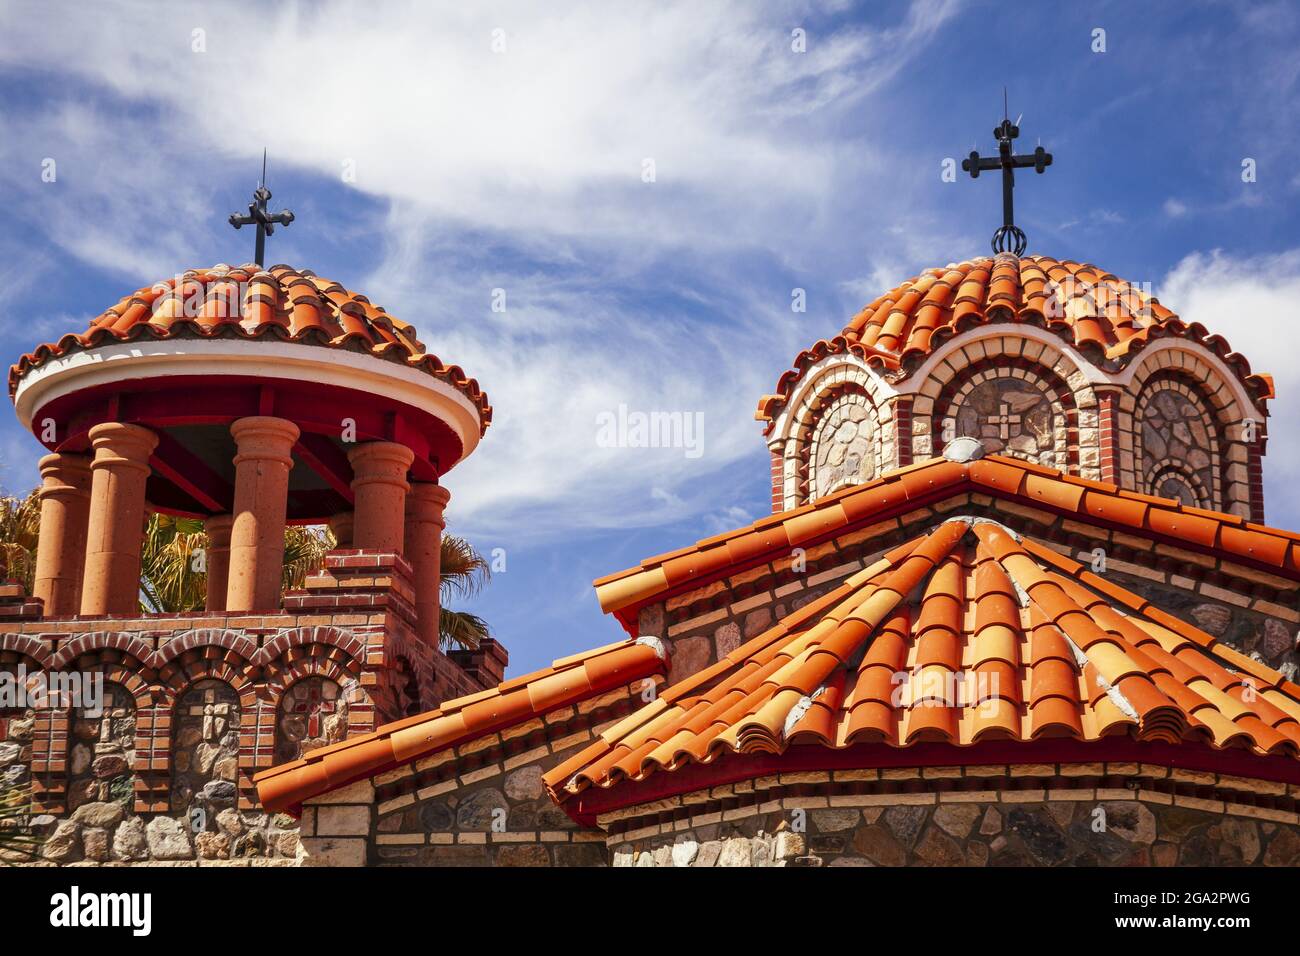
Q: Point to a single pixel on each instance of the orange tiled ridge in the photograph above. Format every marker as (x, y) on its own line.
(1095, 502)
(998, 637)
(1087, 306)
(247, 302)
(567, 681)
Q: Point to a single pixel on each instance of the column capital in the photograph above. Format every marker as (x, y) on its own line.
(380, 461)
(426, 502)
(119, 445)
(65, 474)
(264, 437)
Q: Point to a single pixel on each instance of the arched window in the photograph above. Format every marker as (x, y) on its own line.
(1178, 443)
(313, 713)
(205, 749)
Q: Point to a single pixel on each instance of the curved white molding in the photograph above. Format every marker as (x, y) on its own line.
(808, 385)
(1093, 374)
(218, 358)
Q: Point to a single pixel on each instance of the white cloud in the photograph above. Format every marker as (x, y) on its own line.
(519, 170)
(1252, 302)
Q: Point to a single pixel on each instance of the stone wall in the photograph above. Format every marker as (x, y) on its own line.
(195, 704)
(1060, 833)
(479, 804)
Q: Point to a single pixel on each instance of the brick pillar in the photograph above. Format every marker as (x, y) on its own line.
(341, 527)
(1108, 434)
(262, 467)
(1255, 476)
(65, 515)
(111, 583)
(903, 430)
(379, 481)
(778, 480)
(423, 539)
(218, 529)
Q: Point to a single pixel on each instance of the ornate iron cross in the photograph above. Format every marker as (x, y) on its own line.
(1010, 237)
(258, 216)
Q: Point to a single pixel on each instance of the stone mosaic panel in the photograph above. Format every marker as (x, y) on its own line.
(313, 713)
(1012, 416)
(1179, 445)
(101, 751)
(845, 446)
(205, 752)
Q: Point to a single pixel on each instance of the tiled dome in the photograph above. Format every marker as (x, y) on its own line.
(247, 302)
(1107, 318)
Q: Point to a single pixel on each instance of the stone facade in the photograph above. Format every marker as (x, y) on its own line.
(195, 704)
(478, 804)
(1118, 832)
(1173, 423)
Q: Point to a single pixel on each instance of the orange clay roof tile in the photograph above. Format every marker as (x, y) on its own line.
(566, 682)
(986, 651)
(900, 491)
(1086, 306)
(247, 302)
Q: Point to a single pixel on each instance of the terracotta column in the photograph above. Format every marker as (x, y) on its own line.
(341, 527)
(113, 533)
(379, 481)
(61, 550)
(217, 559)
(424, 523)
(262, 464)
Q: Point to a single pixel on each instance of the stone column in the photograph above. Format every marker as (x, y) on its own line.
(262, 464)
(61, 550)
(341, 526)
(218, 529)
(117, 513)
(379, 481)
(424, 523)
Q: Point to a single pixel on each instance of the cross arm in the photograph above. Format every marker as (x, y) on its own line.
(1039, 159)
(975, 163)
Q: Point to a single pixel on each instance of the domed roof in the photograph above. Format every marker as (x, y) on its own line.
(247, 302)
(1106, 318)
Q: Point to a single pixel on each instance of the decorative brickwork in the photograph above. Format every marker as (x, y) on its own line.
(197, 703)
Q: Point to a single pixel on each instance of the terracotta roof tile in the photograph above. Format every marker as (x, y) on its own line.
(1086, 306)
(894, 493)
(968, 633)
(568, 681)
(279, 302)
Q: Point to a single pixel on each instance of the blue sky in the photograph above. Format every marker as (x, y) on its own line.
(521, 169)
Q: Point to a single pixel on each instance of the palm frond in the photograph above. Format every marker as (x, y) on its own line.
(460, 629)
(464, 572)
(20, 523)
(305, 548)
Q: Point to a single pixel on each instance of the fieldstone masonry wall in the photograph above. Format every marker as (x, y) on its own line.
(1120, 832)
(195, 704)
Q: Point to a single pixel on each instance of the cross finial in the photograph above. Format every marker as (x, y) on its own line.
(1010, 237)
(259, 217)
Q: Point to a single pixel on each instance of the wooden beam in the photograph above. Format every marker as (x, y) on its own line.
(329, 461)
(192, 475)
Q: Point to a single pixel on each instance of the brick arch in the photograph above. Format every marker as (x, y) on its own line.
(34, 649)
(1239, 470)
(837, 378)
(1013, 368)
(351, 645)
(360, 710)
(984, 348)
(204, 637)
(1207, 483)
(330, 665)
(123, 643)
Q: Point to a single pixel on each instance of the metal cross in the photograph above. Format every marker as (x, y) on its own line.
(1009, 238)
(257, 215)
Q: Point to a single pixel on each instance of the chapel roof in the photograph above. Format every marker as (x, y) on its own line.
(1108, 318)
(250, 303)
(510, 703)
(1000, 639)
(1164, 528)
